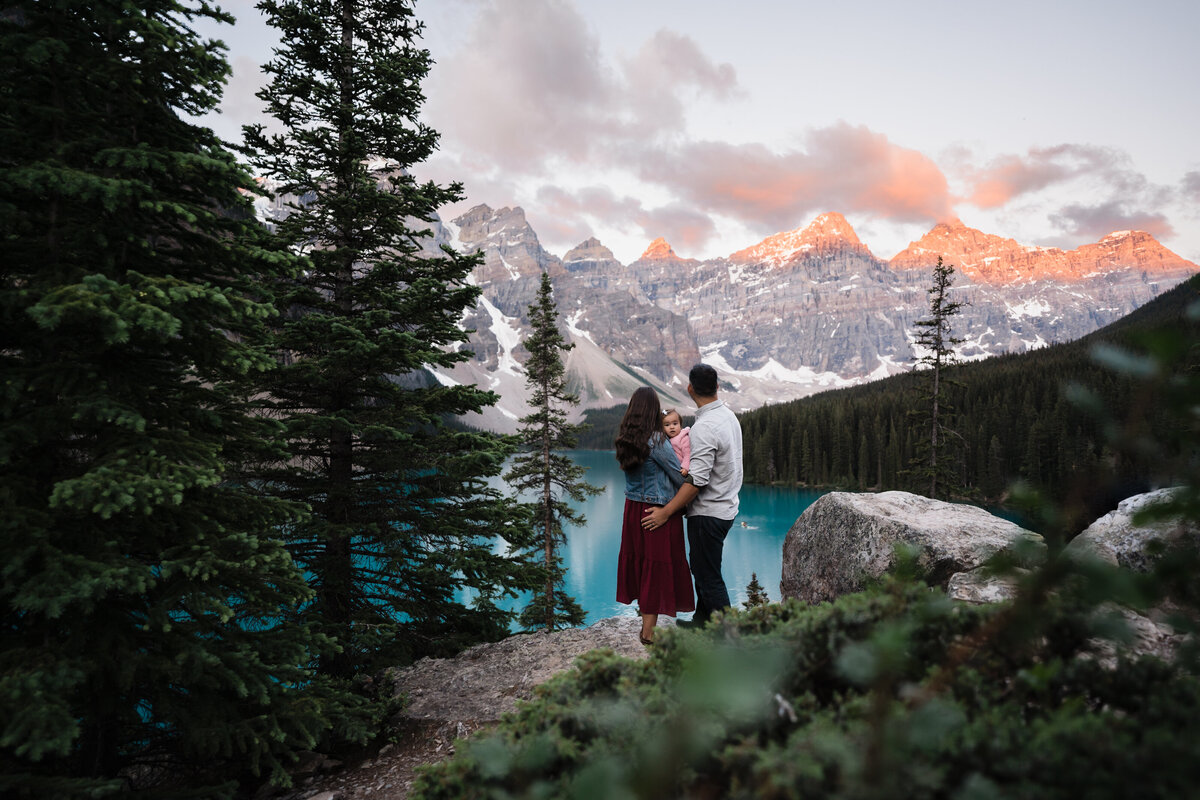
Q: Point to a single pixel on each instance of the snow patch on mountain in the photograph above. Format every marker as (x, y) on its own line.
(507, 331)
(573, 326)
(1034, 307)
(770, 373)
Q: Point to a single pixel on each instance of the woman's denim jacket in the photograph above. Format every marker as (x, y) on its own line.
(658, 478)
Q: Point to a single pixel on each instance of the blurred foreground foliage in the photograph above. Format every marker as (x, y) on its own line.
(900, 692)
(897, 692)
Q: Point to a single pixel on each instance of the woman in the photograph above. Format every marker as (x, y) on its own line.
(652, 568)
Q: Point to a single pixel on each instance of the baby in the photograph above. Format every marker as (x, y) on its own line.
(681, 440)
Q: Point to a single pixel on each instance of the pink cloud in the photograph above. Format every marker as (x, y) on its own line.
(844, 168)
(1011, 176)
(530, 94)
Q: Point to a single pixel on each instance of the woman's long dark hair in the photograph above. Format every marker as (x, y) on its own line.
(642, 421)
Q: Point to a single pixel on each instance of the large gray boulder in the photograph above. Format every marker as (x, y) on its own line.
(1116, 539)
(844, 539)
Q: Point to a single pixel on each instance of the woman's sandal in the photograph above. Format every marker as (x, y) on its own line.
(645, 641)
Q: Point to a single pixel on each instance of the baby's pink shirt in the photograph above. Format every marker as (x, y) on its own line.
(682, 445)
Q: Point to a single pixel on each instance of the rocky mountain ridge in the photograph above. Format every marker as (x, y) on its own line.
(796, 313)
(989, 259)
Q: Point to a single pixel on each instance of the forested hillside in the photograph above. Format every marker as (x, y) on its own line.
(1012, 412)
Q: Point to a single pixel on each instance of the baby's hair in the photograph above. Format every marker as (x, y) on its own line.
(669, 411)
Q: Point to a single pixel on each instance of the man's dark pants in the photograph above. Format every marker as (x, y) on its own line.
(706, 541)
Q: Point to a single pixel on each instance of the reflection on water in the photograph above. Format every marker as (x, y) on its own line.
(754, 545)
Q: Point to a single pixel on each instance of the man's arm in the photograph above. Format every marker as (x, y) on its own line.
(657, 517)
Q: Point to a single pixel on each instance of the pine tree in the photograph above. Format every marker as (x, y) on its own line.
(142, 589)
(936, 343)
(544, 471)
(403, 518)
(756, 595)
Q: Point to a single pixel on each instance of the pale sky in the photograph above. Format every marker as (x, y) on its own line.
(716, 124)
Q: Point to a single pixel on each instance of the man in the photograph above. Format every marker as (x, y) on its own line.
(710, 491)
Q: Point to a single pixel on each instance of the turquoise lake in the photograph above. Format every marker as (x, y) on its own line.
(754, 545)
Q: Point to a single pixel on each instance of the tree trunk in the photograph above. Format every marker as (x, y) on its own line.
(336, 591)
(548, 522)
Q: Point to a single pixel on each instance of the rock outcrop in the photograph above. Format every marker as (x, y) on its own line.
(844, 540)
(485, 682)
(979, 588)
(1116, 539)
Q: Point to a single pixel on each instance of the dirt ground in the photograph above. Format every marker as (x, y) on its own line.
(455, 698)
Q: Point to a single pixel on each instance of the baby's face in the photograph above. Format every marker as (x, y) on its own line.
(672, 424)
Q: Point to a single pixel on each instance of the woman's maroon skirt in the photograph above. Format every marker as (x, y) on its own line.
(652, 569)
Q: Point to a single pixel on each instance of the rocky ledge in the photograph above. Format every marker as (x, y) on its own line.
(451, 698)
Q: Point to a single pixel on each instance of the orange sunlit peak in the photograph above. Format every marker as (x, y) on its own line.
(659, 249)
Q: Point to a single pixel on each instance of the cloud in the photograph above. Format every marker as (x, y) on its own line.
(1012, 176)
(525, 85)
(657, 77)
(567, 216)
(1191, 187)
(843, 168)
(687, 229)
(531, 96)
(530, 88)
(1121, 198)
(1096, 221)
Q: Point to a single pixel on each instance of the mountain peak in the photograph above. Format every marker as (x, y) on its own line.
(827, 232)
(659, 250)
(831, 223)
(588, 250)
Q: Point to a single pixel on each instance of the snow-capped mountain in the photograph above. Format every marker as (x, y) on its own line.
(798, 312)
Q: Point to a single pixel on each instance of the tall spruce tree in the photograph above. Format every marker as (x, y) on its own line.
(935, 338)
(140, 588)
(542, 470)
(403, 518)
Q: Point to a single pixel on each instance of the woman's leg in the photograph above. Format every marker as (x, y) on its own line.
(648, 623)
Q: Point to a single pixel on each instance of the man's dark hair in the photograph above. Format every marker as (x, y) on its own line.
(703, 379)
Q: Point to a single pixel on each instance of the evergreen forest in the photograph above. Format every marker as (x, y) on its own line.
(231, 495)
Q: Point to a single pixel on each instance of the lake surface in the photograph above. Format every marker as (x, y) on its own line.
(754, 544)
